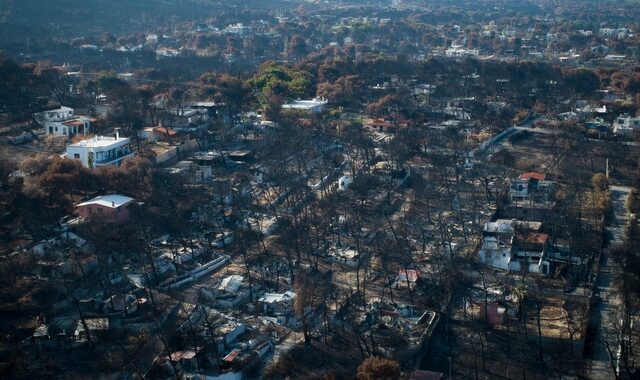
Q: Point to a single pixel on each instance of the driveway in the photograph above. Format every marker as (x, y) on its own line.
(609, 306)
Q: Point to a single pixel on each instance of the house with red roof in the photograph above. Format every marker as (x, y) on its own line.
(529, 250)
(63, 122)
(531, 186)
(515, 246)
(386, 124)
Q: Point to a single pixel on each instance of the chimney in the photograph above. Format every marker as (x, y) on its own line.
(117, 134)
(113, 204)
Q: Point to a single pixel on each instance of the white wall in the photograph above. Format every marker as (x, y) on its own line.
(81, 151)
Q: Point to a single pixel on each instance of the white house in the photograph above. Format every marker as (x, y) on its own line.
(232, 292)
(615, 57)
(59, 114)
(514, 246)
(100, 151)
(530, 186)
(614, 32)
(315, 105)
(239, 29)
(167, 52)
(63, 239)
(152, 39)
(277, 302)
(344, 182)
(458, 50)
(626, 125)
(187, 118)
(496, 243)
(63, 122)
(607, 32)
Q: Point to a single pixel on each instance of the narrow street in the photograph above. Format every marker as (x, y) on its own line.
(609, 306)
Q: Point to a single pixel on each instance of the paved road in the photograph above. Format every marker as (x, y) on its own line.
(608, 308)
(555, 131)
(545, 131)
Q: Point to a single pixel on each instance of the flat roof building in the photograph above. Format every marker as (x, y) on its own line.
(108, 208)
(100, 151)
(315, 105)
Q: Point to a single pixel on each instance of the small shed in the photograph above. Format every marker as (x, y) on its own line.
(344, 182)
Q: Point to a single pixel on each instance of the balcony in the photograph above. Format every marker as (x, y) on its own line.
(115, 160)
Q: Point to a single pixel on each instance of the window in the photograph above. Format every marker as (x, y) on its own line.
(76, 156)
(56, 129)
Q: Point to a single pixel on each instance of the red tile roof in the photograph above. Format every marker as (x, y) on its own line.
(78, 122)
(534, 175)
(163, 131)
(232, 355)
(534, 238)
